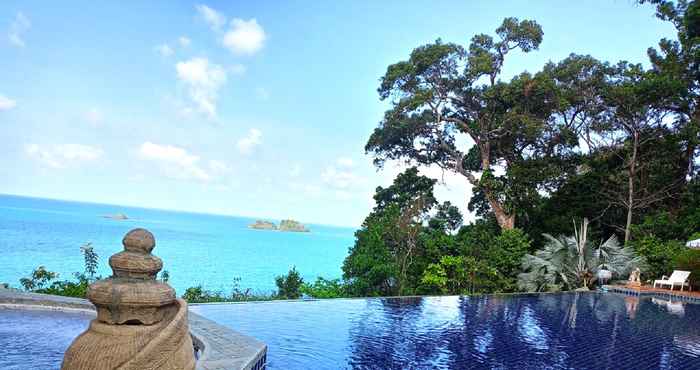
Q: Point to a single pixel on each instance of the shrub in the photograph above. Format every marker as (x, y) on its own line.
(289, 286)
(324, 288)
(689, 260)
(658, 255)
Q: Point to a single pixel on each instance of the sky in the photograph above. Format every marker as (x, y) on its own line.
(258, 109)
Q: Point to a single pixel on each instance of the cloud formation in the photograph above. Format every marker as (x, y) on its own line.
(18, 27)
(6, 103)
(164, 50)
(247, 144)
(244, 37)
(204, 80)
(63, 155)
(214, 19)
(338, 178)
(177, 163)
(184, 41)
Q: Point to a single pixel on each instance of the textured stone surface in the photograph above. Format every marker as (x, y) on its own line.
(139, 240)
(140, 324)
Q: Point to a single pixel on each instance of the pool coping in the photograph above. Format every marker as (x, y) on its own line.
(646, 293)
(301, 300)
(217, 346)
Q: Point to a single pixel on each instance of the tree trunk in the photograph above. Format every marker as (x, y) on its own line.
(505, 220)
(631, 174)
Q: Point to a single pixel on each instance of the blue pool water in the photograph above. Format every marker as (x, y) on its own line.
(553, 331)
(33, 339)
(196, 248)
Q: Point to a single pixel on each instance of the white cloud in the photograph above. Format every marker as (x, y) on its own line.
(94, 117)
(63, 155)
(176, 162)
(204, 80)
(345, 162)
(184, 41)
(6, 103)
(18, 26)
(339, 179)
(214, 19)
(164, 50)
(244, 37)
(217, 167)
(247, 144)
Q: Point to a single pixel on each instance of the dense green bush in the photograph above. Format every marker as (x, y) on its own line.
(658, 254)
(689, 260)
(324, 288)
(289, 285)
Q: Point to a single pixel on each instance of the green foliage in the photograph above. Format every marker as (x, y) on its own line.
(289, 285)
(39, 278)
(505, 256)
(689, 260)
(659, 255)
(571, 262)
(91, 260)
(324, 288)
(44, 281)
(457, 275)
(197, 294)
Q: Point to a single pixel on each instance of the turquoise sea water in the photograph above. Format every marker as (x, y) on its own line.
(210, 250)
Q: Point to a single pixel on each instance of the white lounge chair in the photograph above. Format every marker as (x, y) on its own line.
(678, 277)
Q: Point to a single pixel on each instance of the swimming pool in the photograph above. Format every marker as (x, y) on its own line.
(553, 331)
(37, 339)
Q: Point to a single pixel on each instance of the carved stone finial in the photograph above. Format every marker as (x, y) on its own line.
(139, 321)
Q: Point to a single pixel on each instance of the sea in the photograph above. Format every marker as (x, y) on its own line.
(214, 251)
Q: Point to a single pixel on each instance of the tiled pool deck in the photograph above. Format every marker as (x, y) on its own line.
(656, 292)
(218, 347)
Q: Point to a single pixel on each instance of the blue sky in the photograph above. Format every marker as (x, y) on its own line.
(258, 109)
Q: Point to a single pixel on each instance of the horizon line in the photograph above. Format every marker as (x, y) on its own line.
(168, 210)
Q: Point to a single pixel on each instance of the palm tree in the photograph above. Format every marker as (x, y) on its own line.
(570, 262)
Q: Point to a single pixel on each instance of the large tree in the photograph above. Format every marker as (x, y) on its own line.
(450, 108)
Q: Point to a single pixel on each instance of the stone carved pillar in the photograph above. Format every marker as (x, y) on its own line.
(140, 323)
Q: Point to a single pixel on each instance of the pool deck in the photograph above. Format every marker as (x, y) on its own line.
(692, 296)
(218, 347)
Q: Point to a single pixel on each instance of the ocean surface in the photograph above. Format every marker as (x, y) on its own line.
(196, 249)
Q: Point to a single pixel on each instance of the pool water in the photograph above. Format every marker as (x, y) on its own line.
(35, 339)
(549, 331)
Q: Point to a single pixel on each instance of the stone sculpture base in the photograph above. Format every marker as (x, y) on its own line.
(166, 345)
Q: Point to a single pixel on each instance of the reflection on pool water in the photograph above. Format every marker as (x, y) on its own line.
(34, 339)
(554, 331)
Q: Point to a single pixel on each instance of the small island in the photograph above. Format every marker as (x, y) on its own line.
(285, 225)
(117, 216)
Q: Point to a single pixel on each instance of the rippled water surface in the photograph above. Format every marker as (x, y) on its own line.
(553, 331)
(196, 249)
(33, 339)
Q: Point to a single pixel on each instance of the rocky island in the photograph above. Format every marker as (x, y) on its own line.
(117, 216)
(285, 225)
(263, 225)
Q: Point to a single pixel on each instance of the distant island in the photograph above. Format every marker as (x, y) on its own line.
(117, 216)
(285, 225)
